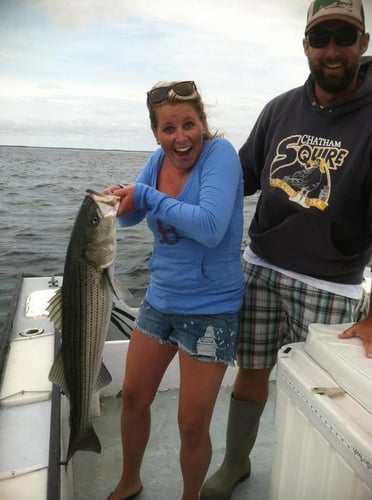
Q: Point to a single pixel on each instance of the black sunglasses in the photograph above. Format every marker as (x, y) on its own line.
(343, 37)
(160, 94)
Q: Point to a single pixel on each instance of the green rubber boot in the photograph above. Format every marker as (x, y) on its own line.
(242, 428)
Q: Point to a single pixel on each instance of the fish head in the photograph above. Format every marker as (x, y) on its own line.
(96, 228)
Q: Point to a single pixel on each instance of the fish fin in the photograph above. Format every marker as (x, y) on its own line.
(57, 374)
(88, 442)
(55, 309)
(118, 289)
(103, 379)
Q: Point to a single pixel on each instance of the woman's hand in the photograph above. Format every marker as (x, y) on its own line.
(110, 189)
(126, 195)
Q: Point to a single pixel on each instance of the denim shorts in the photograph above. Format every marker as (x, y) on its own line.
(210, 338)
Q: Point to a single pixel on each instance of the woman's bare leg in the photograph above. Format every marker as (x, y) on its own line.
(146, 363)
(200, 383)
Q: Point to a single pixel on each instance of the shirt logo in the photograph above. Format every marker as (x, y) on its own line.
(169, 234)
(302, 168)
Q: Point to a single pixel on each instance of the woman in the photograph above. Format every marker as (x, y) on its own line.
(190, 191)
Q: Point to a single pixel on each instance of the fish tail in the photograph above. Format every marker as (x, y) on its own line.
(87, 442)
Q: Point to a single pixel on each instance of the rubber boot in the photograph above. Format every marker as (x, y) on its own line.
(242, 428)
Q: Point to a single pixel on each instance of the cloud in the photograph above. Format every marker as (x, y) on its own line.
(81, 68)
(75, 14)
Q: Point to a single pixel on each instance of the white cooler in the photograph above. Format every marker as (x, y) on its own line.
(323, 418)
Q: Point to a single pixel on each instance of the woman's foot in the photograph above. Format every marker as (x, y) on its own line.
(130, 497)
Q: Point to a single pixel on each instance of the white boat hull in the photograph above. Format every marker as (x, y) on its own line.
(28, 399)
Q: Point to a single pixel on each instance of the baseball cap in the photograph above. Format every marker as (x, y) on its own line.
(350, 11)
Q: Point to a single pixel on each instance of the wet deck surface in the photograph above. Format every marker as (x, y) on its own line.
(96, 474)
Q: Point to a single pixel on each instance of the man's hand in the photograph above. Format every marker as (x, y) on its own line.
(363, 330)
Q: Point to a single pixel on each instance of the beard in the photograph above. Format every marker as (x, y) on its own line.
(334, 84)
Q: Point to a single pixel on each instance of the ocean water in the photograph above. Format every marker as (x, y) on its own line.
(41, 190)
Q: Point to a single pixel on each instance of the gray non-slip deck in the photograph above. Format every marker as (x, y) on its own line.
(96, 474)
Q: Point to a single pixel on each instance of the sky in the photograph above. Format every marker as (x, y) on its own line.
(74, 73)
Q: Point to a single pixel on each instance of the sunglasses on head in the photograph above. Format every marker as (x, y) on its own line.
(343, 37)
(160, 94)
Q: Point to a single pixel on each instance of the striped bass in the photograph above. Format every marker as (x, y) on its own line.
(81, 310)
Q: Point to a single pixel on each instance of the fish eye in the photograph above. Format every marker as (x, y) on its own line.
(94, 220)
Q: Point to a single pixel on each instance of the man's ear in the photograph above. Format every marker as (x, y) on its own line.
(305, 45)
(364, 43)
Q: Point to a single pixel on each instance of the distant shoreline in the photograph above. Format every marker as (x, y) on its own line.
(77, 149)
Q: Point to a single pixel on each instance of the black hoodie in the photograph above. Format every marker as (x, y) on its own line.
(313, 166)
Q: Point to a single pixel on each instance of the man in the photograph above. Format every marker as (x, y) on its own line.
(310, 155)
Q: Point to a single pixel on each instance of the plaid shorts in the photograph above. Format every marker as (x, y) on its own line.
(277, 310)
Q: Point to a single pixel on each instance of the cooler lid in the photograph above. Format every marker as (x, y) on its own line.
(343, 359)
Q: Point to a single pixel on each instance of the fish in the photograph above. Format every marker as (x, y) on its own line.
(81, 310)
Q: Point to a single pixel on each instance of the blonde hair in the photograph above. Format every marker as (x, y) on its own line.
(173, 98)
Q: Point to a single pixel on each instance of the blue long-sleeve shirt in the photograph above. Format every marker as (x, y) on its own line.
(196, 265)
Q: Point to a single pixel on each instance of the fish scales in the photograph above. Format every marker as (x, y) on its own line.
(82, 368)
(81, 309)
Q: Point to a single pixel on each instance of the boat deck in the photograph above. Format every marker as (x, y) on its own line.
(95, 475)
(30, 456)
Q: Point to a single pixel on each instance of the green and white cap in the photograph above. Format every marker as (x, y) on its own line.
(350, 11)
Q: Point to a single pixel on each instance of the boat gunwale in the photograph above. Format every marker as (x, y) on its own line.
(54, 460)
(9, 323)
(54, 454)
